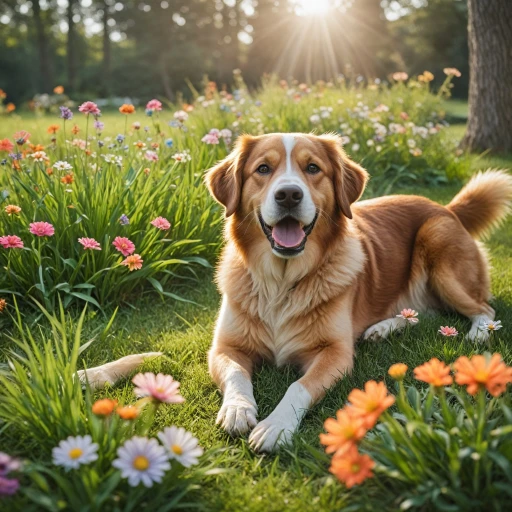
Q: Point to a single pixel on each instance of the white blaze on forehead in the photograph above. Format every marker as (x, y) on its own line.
(289, 143)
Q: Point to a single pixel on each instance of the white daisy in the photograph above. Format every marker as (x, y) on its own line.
(181, 445)
(491, 325)
(142, 460)
(62, 166)
(75, 451)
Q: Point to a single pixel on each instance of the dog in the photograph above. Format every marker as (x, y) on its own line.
(307, 270)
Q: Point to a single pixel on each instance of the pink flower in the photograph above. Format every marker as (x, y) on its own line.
(154, 105)
(42, 229)
(448, 331)
(151, 156)
(211, 138)
(89, 107)
(161, 223)
(133, 262)
(90, 243)
(123, 245)
(8, 486)
(11, 242)
(21, 137)
(409, 315)
(161, 387)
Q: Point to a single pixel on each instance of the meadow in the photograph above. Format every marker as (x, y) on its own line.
(399, 133)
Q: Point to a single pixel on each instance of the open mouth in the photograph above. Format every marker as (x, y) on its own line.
(288, 237)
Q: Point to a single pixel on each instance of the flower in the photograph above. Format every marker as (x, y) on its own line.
(104, 407)
(409, 315)
(211, 138)
(11, 242)
(89, 107)
(90, 243)
(397, 371)
(183, 157)
(481, 371)
(8, 486)
(400, 76)
(142, 460)
(21, 137)
(10, 107)
(161, 223)
(40, 156)
(12, 209)
(42, 229)
(53, 128)
(126, 108)
(99, 125)
(352, 468)
(416, 152)
(154, 105)
(133, 262)
(370, 403)
(136, 125)
(68, 178)
(128, 412)
(124, 220)
(6, 145)
(62, 166)
(65, 113)
(490, 325)
(181, 116)
(434, 372)
(3, 305)
(59, 89)
(124, 245)
(452, 72)
(181, 445)
(315, 119)
(427, 76)
(151, 156)
(343, 431)
(448, 331)
(8, 464)
(355, 147)
(161, 387)
(74, 451)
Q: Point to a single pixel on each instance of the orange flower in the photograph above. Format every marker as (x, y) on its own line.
(133, 262)
(397, 371)
(12, 209)
(343, 431)
(49, 171)
(53, 128)
(434, 372)
(3, 94)
(68, 179)
(59, 89)
(3, 305)
(75, 130)
(452, 72)
(126, 108)
(128, 412)
(104, 407)
(10, 107)
(370, 403)
(480, 371)
(352, 468)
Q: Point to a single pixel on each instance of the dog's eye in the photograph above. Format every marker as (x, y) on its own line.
(263, 169)
(313, 169)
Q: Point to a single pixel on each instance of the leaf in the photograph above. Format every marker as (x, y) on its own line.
(87, 298)
(85, 285)
(156, 284)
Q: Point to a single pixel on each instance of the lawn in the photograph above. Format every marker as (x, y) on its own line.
(289, 479)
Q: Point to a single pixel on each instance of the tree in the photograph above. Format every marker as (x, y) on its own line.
(71, 45)
(490, 93)
(45, 63)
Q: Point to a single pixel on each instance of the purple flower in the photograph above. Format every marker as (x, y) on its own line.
(15, 156)
(8, 486)
(65, 113)
(99, 125)
(120, 138)
(8, 464)
(124, 220)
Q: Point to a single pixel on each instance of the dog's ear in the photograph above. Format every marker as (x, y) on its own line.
(224, 180)
(349, 178)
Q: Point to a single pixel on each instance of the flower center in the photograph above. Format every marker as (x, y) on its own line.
(141, 463)
(355, 468)
(159, 390)
(178, 450)
(490, 327)
(481, 376)
(75, 453)
(371, 405)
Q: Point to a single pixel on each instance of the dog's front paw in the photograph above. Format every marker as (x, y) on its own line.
(477, 334)
(237, 417)
(268, 435)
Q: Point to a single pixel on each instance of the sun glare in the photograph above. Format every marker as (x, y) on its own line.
(313, 7)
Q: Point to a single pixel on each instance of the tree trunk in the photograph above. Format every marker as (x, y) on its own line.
(490, 61)
(107, 53)
(45, 66)
(71, 46)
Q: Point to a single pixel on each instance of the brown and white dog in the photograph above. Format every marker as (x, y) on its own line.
(306, 271)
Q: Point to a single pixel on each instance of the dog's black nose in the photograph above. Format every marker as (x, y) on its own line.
(289, 196)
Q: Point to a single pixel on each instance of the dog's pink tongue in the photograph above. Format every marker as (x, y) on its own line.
(288, 233)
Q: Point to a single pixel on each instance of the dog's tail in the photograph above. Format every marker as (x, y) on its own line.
(484, 202)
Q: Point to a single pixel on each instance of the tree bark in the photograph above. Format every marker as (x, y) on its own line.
(490, 60)
(71, 46)
(107, 50)
(45, 66)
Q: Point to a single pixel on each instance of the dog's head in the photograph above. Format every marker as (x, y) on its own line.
(283, 183)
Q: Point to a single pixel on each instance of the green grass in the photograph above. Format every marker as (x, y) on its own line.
(283, 481)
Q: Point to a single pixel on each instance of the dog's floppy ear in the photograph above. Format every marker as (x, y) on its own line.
(224, 180)
(349, 178)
